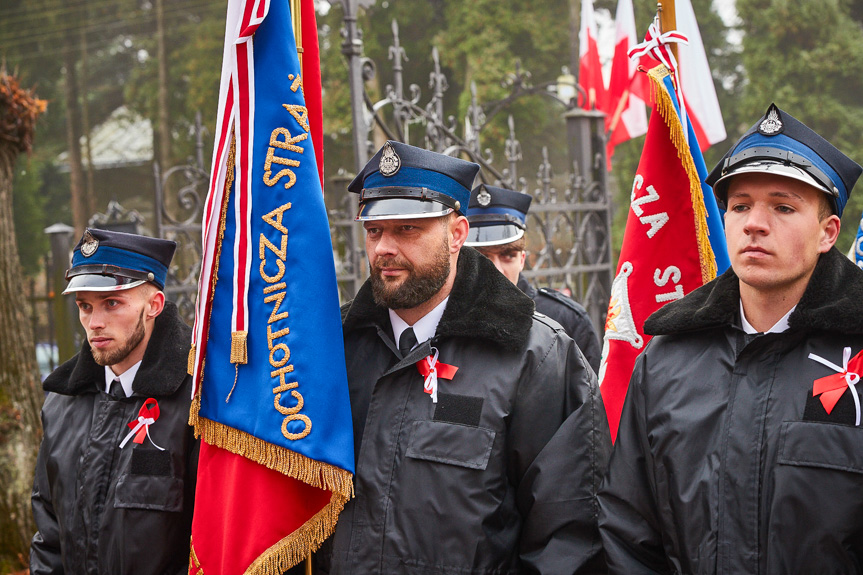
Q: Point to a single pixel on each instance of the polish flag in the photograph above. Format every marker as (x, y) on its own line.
(589, 66)
(702, 105)
(627, 116)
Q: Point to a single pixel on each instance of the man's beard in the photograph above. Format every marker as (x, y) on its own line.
(419, 287)
(118, 355)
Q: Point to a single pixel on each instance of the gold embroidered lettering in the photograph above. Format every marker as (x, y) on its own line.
(271, 336)
(289, 143)
(274, 218)
(286, 355)
(300, 114)
(275, 278)
(274, 287)
(281, 251)
(273, 159)
(294, 436)
(275, 315)
(288, 410)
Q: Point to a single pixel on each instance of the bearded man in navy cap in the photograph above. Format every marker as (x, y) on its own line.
(498, 220)
(115, 477)
(740, 448)
(479, 430)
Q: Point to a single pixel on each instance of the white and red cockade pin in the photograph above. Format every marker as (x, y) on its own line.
(431, 369)
(147, 416)
(832, 387)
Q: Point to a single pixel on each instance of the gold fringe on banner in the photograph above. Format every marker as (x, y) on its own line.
(239, 351)
(301, 543)
(315, 473)
(292, 549)
(665, 106)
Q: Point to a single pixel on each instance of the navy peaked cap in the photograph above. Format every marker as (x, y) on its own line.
(403, 181)
(780, 144)
(105, 260)
(496, 215)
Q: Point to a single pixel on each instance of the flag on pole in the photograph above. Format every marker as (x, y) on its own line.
(626, 109)
(270, 401)
(673, 242)
(589, 65)
(702, 104)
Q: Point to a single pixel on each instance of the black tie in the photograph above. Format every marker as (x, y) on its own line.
(117, 390)
(407, 341)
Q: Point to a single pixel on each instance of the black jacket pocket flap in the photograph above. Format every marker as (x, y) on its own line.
(451, 443)
(818, 444)
(154, 492)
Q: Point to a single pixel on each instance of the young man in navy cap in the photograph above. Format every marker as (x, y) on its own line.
(479, 431)
(740, 448)
(115, 477)
(498, 219)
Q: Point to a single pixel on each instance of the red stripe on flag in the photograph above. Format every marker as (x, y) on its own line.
(312, 82)
(243, 151)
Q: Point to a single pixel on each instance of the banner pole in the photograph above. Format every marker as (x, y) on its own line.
(667, 21)
(297, 22)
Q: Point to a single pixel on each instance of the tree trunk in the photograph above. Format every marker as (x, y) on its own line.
(20, 389)
(81, 212)
(164, 103)
(85, 127)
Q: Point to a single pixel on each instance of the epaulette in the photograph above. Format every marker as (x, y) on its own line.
(567, 301)
(550, 322)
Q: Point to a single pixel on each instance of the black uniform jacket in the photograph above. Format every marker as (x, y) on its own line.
(725, 462)
(568, 313)
(501, 475)
(110, 511)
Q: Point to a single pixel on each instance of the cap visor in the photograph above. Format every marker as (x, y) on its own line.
(400, 208)
(776, 169)
(95, 282)
(493, 235)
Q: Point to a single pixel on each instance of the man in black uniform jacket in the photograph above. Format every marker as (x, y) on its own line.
(498, 219)
(490, 463)
(740, 448)
(115, 477)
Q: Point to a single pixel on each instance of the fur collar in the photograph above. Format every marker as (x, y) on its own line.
(162, 371)
(482, 304)
(833, 301)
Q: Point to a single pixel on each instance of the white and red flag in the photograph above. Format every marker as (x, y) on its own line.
(627, 116)
(702, 105)
(589, 65)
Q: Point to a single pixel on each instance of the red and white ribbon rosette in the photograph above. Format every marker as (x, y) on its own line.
(147, 416)
(657, 45)
(832, 387)
(431, 369)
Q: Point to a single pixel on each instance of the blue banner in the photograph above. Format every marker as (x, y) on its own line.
(292, 392)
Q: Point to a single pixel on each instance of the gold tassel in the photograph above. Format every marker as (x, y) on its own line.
(239, 352)
(190, 364)
(310, 471)
(665, 106)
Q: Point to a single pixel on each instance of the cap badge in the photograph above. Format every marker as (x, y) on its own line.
(390, 161)
(771, 125)
(89, 244)
(483, 198)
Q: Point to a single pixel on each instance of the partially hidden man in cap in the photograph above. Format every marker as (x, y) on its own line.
(740, 448)
(479, 429)
(115, 476)
(498, 220)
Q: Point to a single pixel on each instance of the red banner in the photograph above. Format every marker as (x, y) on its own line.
(666, 250)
